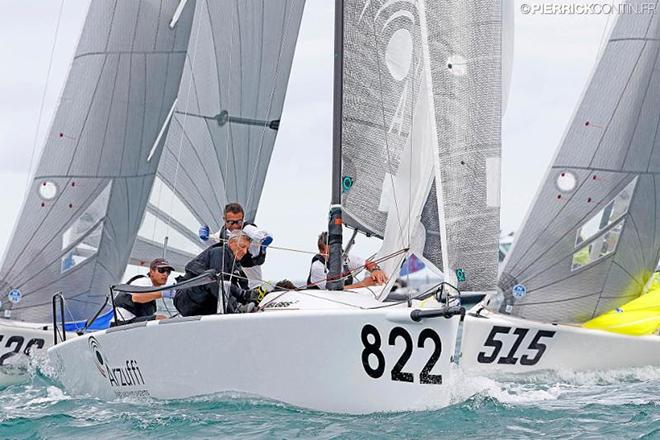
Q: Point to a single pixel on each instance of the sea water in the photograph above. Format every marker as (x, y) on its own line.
(618, 405)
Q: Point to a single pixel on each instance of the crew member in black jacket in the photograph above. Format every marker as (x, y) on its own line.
(231, 296)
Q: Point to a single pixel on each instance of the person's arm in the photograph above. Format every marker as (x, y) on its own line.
(376, 275)
(142, 298)
(318, 275)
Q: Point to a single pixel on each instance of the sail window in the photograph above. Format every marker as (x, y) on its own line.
(165, 200)
(597, 249)
(84, 249)
(566, 181)
(48, 190)
(85, 232)
(611, 213)
(156, 230)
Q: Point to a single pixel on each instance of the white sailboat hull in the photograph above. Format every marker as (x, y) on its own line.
(308, 358)
(493, 344)
(19, 341)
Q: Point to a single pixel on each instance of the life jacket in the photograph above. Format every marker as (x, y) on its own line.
(125, 301)
(318, 257)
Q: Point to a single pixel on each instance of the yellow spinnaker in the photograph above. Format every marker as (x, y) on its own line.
(639, 317)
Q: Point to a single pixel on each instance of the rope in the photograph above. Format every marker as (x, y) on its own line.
(43, 95)
(342, 276)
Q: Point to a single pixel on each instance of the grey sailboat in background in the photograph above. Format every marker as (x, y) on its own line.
(87, 198)
(170, 110)
(591, 241)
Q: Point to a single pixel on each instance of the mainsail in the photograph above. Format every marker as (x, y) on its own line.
(85, 203)
(224, 124)
(421, 129)
(590, 241)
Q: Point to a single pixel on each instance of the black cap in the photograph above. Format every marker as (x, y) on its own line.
(159, 263)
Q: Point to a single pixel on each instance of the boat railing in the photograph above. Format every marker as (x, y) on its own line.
(207, 277)
(58, 299)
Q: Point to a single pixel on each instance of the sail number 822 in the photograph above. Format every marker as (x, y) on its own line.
(372, 342)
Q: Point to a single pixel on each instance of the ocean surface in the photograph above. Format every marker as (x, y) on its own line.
(607, 405)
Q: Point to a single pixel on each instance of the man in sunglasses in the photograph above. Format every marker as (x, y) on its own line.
(234, 218)
(136, 307)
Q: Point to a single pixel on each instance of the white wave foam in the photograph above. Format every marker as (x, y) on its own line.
(603, 387)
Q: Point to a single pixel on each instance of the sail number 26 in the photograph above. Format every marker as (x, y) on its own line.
(510, 358)
(371, 341)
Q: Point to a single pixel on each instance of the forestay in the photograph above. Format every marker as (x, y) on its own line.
(85, 203)
(225, 122)
(590, 240)
(421, 129)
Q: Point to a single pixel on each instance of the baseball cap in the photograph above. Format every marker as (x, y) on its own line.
(160, 263)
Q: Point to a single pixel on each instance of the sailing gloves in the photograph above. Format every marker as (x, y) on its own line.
(168, 293)
(204, 232)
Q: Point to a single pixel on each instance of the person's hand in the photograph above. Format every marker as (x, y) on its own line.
(169, 293)
(204, 232)
(266, 242)
(379, 277)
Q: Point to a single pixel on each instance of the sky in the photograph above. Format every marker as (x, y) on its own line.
(553, 57)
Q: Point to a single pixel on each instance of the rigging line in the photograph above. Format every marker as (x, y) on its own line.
(183, 129)
(342, 276)
(285, 34)
(387, 146)
(43, 96)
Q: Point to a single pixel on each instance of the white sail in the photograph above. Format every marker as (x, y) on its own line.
(83, 208)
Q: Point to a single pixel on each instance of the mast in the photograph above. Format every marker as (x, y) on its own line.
(335, 223)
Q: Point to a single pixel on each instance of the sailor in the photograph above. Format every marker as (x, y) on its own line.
(231, 296)
(318, 271)
(136, 307)
(234, 219)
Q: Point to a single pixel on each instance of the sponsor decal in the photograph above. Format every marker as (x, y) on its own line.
(519, 290)
(124, 378)
(280, 304)
(14, 296)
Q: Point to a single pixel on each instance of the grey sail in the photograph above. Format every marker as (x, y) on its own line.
(420, 77)
(225, 124)
(466, 48)
(590, 241)
(85, 203)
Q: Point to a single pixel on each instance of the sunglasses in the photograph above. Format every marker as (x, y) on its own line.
(166, 270)
(234, 222)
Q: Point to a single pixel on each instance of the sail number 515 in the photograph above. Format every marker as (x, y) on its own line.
(511, 357)
(371, 341)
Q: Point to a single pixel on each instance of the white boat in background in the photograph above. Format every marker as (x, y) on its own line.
(417, 129)
(590, 242)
